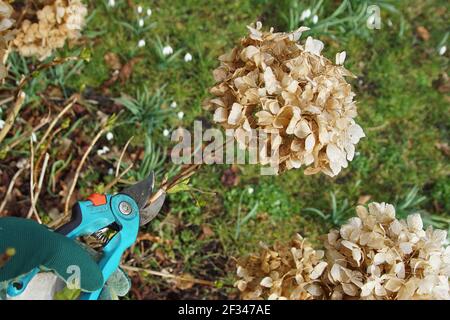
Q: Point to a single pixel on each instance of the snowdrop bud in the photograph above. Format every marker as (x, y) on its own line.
(33, 137)
(110, 171)
(141, 43)
(442, 50)
(141, 23)
(109, 136)
(250, 190)
(103, 150)
(111, 3)
(22, 163)
(187, 57)
(173, 104)
(2, 123)
(166, 133)
(149, 12)
(305, 14)
(180, 115)
(315, 19)
(139, 9)
(167, 50)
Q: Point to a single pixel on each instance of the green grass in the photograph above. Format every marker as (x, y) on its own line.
(402, 112)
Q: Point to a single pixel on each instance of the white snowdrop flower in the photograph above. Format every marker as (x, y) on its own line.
(180, 115)
(250, 190)
(315, 19)
(173, 104)
(141, 43)
(111, 3)
(305, 14)
(103, 150)
(2, 123)
(21, 163)
(167, 50)
(442, 50)
(149, 12)
(371, 20)
(187, 57)
(110, 171)
(166, 133)
(139, 9)
(33, 137)
(141, 22)
(109, 136)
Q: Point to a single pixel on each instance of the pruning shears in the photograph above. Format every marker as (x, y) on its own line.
(100, 215)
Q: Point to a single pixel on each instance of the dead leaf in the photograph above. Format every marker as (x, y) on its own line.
(184, 281)
(423, 33)
(123, 74)
(442, 84)
(112, 60)
(160, 255)
(206, 232)
(443, 147)
(127, 70)
(364, 199)
(230, 177)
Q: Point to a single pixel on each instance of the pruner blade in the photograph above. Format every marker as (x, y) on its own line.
(151, 211)
(141, 191)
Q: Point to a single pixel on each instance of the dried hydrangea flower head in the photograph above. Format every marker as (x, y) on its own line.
(5, 34)
(376, 256)
(297, 97)
(57, 21)
(282, 272)
(372, 256)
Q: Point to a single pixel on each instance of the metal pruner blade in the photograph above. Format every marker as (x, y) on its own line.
(141, 191)
(151, 211)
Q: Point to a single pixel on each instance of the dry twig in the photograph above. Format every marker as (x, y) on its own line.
(56, 119)
(10, 187)
(117, 179)
(12, 115)
(36, 193)
(77, 174)
(122, 154)
(168, 275)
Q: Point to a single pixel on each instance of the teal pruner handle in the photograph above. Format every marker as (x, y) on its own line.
(18, 286)
(88, 218)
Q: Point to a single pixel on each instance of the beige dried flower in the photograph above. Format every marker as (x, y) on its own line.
(376, 256)
(6, 24)
(372, 256)
(297, 97)
(57, 22)
(282, 272)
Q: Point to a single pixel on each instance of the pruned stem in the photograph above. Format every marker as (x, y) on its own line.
(121, 155)
(56, 119)
(77, 175)
(169, 275)
(12, 115)
(10, 188)
(116, 179)
(38, 190)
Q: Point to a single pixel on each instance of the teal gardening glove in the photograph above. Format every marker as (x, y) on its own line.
(37, 246)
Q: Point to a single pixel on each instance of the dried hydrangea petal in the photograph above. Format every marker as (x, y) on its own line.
(6, 23)
(292, 91)
(57, 21)
(372, 256)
